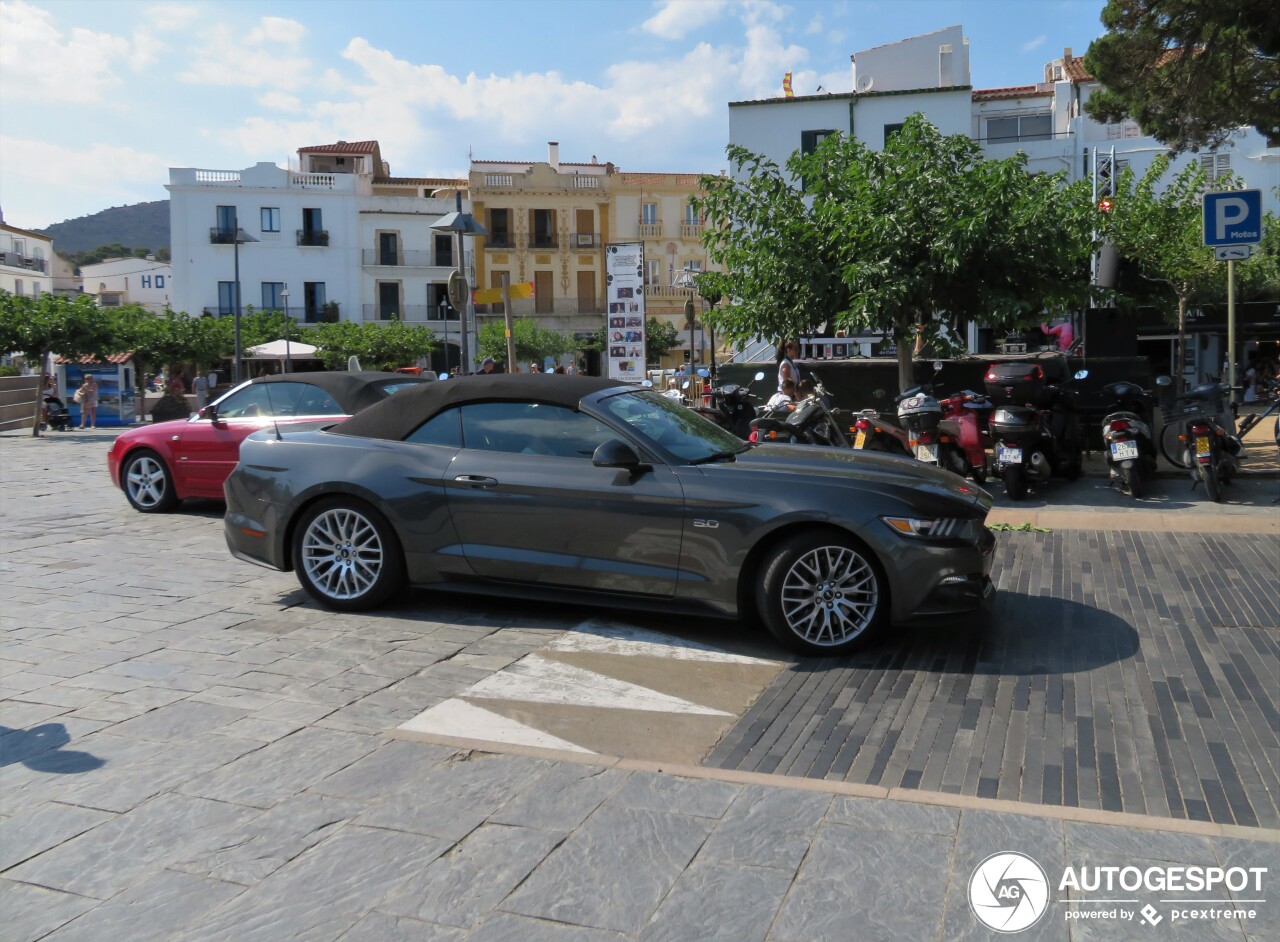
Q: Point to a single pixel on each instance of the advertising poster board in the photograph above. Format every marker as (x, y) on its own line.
(115, 392)
(624, 318)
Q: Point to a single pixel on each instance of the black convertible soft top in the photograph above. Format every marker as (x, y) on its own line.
(353, 392)
(398, 416)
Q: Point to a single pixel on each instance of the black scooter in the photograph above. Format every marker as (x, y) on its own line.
(731, 407)
(1036, 440)
(1200, 436)
(1126, 433)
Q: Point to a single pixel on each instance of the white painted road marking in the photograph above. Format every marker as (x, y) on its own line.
(605, 637)
(467, 721)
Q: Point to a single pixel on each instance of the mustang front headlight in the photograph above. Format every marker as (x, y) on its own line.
(931, 528)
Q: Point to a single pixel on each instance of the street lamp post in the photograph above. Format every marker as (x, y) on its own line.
(288, 359)
(460, 224)
(238, 237)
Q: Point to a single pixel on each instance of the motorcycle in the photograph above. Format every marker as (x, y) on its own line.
(1126, 433)
(1041, 437)
(730, 407)
(807, 422)
(1206, 443)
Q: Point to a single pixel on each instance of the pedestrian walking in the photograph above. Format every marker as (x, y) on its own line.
(87, 399)
(200, 386)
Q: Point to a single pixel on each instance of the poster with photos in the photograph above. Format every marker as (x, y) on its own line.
(624, 297)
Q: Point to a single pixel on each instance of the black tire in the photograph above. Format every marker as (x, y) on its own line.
(346, 555)
(822, 593)
(1015, 481)
(147, 483)
(1132, 481)
(1212, 488)
(1173, 450)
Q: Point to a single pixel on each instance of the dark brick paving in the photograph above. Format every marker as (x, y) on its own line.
(1126, 671)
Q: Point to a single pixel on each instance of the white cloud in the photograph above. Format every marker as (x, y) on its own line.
(109, 174)
(279, 101)
(1034, 44)
(248, 61)
(677, 18)
(816, 26)
(37, 59)
(172, 16)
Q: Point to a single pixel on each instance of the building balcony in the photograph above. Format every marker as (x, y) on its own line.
(651, 230)
(691, 230)
(438, 316)
(413, 258)
(546, 307)
(584, 241)
(499, 240)
(28, 262)
(315, 237)
(221, 236)
(543, 241)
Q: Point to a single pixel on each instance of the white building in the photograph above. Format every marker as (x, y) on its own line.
(25, 258)
(341, 236)
(116, 281)
(1046, 120)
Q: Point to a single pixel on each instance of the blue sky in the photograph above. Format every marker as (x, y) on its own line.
(98, 99)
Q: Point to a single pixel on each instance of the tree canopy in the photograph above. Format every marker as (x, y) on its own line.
(1189, 72)
(921, 234)
(532, 341)
(377, 346)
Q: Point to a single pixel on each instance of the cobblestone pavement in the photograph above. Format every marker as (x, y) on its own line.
(191, 751)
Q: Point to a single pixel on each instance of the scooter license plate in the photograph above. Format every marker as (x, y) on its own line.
(1006, 455)
(860, 440)
(1123, 451)
(927, 453)
(1202, 446)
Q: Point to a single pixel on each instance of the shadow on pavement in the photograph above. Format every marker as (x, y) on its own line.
(40, 749)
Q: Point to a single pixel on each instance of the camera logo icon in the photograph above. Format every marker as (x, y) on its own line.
(1008, 892)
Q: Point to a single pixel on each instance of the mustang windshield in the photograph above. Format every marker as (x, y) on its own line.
(671, 427)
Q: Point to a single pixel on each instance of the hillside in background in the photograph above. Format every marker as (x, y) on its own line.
(143, 225)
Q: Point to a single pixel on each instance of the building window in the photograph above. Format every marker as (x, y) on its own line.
(691, 215)
(500, 228)
(226, 297)
(227, 224)
(270, 218)
(648, 214)
(273, 295)
(313, 301)
(444, 250)
(653, 273)
(1027, 127)
(890, 130)
(1216, 166)
(17, 287)
(542, 223)
(809, 140)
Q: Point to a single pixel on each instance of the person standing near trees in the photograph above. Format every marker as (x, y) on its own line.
(787, 370)
(200, 386)
(87, 398)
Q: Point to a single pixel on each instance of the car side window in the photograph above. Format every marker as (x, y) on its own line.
(269, 399)
(532, 428)
(443, 429)
(314, 401)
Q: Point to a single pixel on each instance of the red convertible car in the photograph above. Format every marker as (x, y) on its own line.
(160, 464)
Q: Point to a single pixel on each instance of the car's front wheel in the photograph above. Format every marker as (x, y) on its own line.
(148, 485)
(346, 555)
(822, 593)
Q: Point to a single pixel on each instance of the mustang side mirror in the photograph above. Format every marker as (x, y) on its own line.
(617, 454)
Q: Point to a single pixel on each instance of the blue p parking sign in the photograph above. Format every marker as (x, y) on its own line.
(1233, 217)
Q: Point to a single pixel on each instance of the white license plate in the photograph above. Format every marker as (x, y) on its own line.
(1122, 451)
(927, 453)
(1006, 455)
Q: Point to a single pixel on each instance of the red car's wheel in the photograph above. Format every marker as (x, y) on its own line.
(147, 483)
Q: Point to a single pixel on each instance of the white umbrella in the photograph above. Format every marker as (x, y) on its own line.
(276, 350)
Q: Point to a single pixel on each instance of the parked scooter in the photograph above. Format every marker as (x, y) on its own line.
(1035, 427)
(1200, 436)
(873, 432)
(1126, 433)
(810, 422)
(948, 432)
(730, 407)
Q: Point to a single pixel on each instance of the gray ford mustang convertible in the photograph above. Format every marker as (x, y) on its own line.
(578, 489)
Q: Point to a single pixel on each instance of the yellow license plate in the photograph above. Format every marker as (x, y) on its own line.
(860, 440)
(1202, 446)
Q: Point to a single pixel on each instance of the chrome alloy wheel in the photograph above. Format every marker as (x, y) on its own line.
(146, 481)
(342, 553)
(830, 595)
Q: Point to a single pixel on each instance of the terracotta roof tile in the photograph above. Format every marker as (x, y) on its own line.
(90, 360)
(420, 181)
(1074, 68)
(665, 179)
(342, 147)
(1015, 91)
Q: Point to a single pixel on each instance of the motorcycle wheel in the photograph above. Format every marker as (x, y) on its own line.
(1212, 489)
(1015, 482)
(1131, 481)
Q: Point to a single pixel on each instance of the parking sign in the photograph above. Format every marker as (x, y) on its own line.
(1233, 217)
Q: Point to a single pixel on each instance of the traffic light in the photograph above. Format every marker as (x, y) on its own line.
(1105, 205)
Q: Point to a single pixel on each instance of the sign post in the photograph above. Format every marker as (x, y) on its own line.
(1232, 223)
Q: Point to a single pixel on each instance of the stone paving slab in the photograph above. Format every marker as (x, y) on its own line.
(204, 797)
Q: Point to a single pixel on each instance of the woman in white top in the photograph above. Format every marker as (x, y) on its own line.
(786, 368)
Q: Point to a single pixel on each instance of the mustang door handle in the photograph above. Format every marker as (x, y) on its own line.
(475, 480)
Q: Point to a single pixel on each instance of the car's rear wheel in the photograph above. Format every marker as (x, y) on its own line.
(346, 555)
(822, 593)
(147, 483)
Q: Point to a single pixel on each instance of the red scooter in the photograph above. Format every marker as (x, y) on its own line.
(964, 435)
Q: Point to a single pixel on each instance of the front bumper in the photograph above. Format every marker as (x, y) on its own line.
(950, 580)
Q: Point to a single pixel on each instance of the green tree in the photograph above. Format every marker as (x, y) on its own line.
(1258, 279)
(659, 338)
(162, 340)
(52, 323)
(923, 234)
(1162, 232)
(532, 341)
(1188, 71)
(377, 346)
